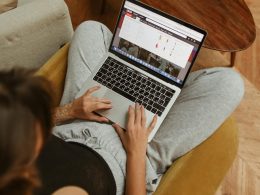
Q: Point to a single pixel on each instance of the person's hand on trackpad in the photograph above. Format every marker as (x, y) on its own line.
(85, 106)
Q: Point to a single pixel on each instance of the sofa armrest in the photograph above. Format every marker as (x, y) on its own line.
(201, 171)
(23, 2)
(32, 33)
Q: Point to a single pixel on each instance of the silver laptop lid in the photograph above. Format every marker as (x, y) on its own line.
(156, 42)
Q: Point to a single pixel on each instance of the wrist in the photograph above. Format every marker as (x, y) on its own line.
(136, 154)
(71, 111)
(63, 114)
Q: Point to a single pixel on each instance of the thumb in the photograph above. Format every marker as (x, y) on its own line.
(91, 90)
(119, 131)
(97, 118)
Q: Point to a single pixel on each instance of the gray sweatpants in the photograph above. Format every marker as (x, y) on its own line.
(207, 99)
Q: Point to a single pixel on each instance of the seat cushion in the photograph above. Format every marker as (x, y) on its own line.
(54, 70)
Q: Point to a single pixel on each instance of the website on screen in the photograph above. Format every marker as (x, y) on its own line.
(156, 42)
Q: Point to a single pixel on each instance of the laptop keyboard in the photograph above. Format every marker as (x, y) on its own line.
(134, 86)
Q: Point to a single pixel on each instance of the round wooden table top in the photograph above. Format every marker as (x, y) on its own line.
(229, 23)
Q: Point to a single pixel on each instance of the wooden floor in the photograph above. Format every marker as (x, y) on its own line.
(244, 176)
(248, 61)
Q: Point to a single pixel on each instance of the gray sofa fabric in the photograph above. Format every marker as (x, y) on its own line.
(33, 32)
(22, 2)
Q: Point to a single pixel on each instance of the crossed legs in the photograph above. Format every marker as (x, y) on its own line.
(207, 99)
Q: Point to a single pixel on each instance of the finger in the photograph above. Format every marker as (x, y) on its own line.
(119, 131)
(102, 106)
(104, 100)
(92, 89)
(131, 116)
(143, 116)
(97, 118)
(137, 114)
(152, 124)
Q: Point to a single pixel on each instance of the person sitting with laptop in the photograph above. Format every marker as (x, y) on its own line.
(189, 107)
(208, 98)
(132, 164)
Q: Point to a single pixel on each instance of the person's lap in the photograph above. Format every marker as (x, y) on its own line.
(90, 42)
(207, 99)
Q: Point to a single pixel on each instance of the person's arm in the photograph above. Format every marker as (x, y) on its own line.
(82, 108)
(135, 174)
(134, 140)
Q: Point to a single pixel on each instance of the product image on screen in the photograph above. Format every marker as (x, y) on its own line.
(156, 42)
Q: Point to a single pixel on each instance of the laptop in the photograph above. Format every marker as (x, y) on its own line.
(149, 59)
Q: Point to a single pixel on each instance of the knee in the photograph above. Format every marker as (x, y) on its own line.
(230, 84)
(91, 25)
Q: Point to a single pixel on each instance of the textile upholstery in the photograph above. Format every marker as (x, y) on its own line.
(31, 33)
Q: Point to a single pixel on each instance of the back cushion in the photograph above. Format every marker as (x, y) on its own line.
(6, 5)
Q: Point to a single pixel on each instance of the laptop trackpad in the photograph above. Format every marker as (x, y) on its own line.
(118, 113)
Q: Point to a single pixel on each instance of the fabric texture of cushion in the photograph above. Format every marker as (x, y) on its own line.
(35, 31)
(23, 2)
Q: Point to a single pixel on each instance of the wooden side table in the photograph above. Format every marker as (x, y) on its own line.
(229, 23)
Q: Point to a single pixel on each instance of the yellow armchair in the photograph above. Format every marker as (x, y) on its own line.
(199, 172)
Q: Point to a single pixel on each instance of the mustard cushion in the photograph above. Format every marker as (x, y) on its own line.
(6, 5)
(199, 172)
(55, 71)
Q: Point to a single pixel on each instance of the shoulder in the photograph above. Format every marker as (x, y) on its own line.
(68, 190)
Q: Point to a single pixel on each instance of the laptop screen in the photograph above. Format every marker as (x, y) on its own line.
(165, 46)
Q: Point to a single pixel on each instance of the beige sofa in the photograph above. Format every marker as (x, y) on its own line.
(31, 33)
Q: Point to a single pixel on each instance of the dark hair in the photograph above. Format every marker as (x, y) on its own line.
(24, 103)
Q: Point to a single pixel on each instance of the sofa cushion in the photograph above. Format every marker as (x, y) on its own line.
(6, 5)
(23, 2)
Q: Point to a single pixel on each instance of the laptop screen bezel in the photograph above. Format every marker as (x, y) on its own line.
(191, 26)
